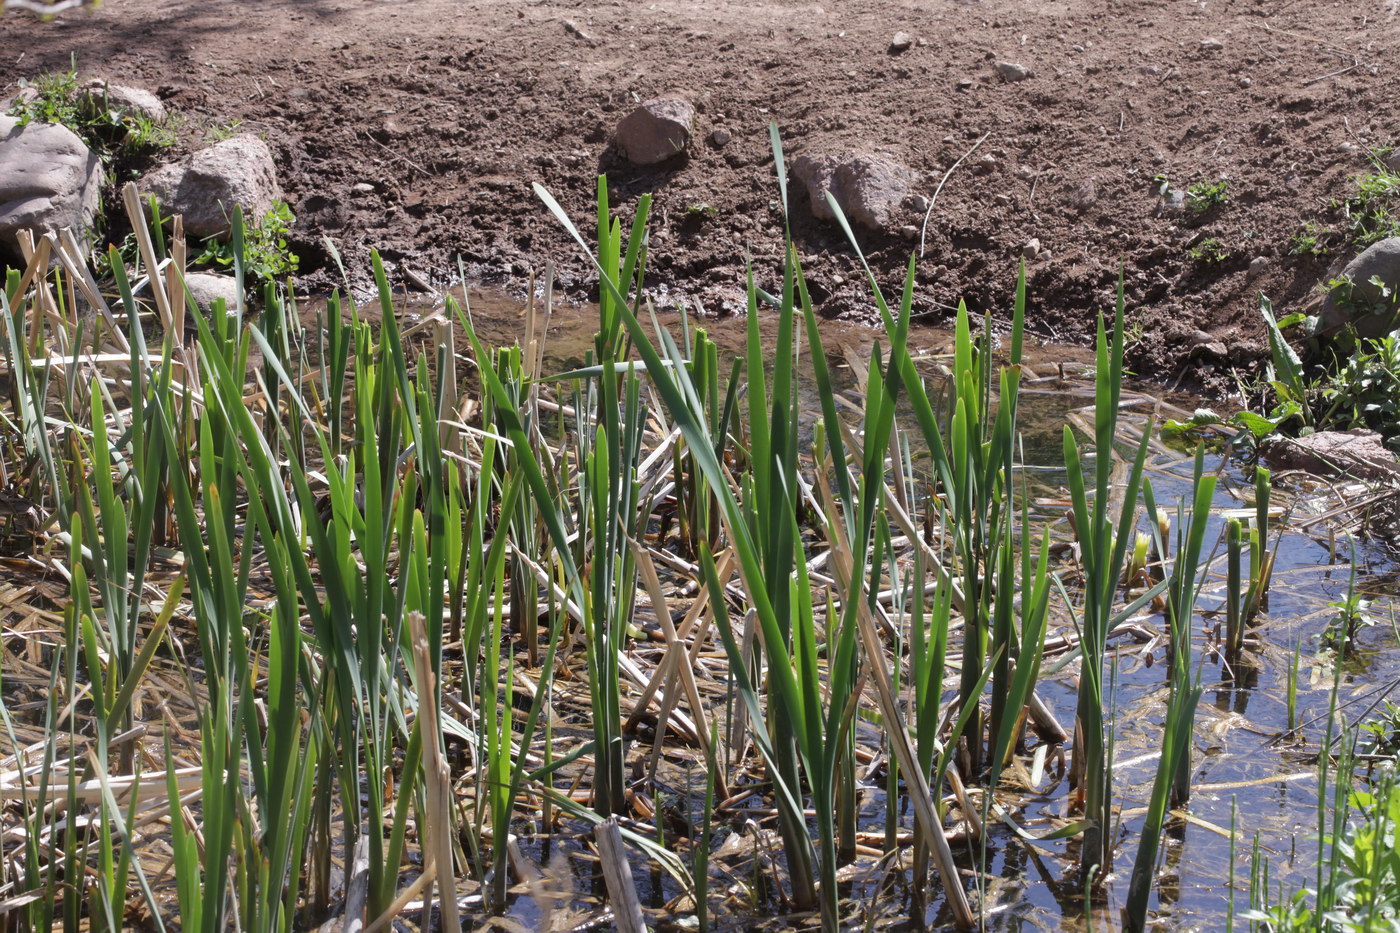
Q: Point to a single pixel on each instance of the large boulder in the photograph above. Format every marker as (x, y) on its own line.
(1359, 453)
(48, 180)
(124, 101)
(869, 188)
(656, 131)
(204, 187)
(1360, 301)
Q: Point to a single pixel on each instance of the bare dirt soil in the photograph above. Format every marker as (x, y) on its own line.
(444, 112)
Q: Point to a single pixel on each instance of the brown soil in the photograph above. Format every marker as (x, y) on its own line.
(451, 108)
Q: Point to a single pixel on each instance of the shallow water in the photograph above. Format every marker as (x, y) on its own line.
(1247, 774)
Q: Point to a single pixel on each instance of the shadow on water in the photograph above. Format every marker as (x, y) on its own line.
(1249, 772)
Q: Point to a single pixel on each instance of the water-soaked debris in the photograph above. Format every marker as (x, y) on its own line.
(658, 130)
(206, 186)
(869, 188)
(1362, 299)
(1359, 453)
(49, 180)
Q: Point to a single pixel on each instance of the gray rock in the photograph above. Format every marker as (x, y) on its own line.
(208, 287)
(124, 100)
(205, 187)
(1031, 249)
(869, 188)
(909, 232)
(573, 29)
(1359, 453)
(1258, 265)
(1013, 71)
(720, 138)
(48, 180)
(656, 131)
(1361, 304)
(1173, 202)
(901, 43)
(1211, 45)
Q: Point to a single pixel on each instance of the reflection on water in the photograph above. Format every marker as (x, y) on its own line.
(1246, 772)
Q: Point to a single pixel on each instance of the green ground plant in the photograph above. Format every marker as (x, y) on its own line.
(1209, 251)
(1205, 196)
(127, 139)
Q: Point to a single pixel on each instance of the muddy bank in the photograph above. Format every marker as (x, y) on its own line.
(417, 128)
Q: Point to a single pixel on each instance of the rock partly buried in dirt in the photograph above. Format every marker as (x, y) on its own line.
(869, 188)
(48, 180)
(204, 187)
(901, 43)
(656, 131)
(1013, 71)
(1211, 45)
(1359, 453)
(208, 288)
(1361, 304)
(124, 101)
(720, 138)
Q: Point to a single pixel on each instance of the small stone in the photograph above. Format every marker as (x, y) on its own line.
(869, 188)
(720, 138)
(124, 101)
(1245, 82)
(1031, 249)
(1174, 202)
(1023, 171)
(656, 131)
(985, 165)
(920, 203)
(206, 287)
(909, 232)
(363, 187)
(1013, 71)
(964, 84)
(1258, 265)
(1003, 199)
(1211, 45)
(901, 43)
(572, 28)
(1045, 256)
(837, 280)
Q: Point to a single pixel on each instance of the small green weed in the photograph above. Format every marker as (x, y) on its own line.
(1206, 196)
(1372, 212)
(1351, 614)
(269, 257)
(1310, 240)
(114, 134)
(1209, 251)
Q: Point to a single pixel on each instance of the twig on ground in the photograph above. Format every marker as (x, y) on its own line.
(923, 228)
